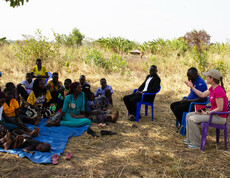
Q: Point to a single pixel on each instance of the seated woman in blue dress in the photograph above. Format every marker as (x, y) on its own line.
(73, 110)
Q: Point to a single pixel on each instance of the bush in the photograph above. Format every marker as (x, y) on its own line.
(201, 58)
(117, 44)
(74, 38)
(197, 38)
(221, 66)
(114, 64)
(97, 58)
(118, 64)
(36, 47)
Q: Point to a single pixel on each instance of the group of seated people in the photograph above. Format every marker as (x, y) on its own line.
(72, 104)
(199, 93)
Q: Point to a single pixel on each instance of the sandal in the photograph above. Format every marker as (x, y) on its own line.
(68, 156)
(55, 159)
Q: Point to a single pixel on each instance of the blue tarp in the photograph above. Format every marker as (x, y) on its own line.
(56, 136)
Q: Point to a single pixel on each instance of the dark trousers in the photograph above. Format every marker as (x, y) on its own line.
(58, 102)
(178, 108)
(21, 90)
(131, 102)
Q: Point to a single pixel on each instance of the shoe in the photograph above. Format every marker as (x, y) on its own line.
(105, 132)
(55, 159)
(68, 156)
(193, 146)
(187, 142)
(91, 132)
(132, 118)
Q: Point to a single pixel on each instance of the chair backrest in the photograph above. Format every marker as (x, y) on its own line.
(49, 76)
(228, 105)
(158, 90)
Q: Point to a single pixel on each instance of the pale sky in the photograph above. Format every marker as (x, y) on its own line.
(138, 20)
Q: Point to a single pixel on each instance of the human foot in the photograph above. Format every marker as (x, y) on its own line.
(38, 118)
(7, 144)
(115, 117)
(35, 132)
(50, 124)
(18, 142)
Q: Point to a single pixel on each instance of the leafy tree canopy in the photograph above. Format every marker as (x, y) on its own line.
(16, 3)
(196, 38)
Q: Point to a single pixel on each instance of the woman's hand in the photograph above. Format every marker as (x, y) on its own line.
(77, 115)
(189, 83)
(203, 112)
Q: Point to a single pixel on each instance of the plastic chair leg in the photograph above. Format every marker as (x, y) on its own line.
(217, 135)
(183, 124)
(152, 111)
(177, 123)
(225, 138)
(138, 111)
(203, 138)
(146, 110)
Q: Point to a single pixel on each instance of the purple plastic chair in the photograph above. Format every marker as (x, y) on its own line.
(183, 121)
(205, 125)
(145, 103)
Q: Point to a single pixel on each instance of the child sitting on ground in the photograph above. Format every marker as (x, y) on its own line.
(26, 86)
(10, 116)
(96, 115)
(62, 95)
(104, 102)
(11, 86)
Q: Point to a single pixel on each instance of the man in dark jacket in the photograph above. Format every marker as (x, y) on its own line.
(150, 85)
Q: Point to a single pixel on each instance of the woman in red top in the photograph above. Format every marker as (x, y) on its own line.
(218, 100)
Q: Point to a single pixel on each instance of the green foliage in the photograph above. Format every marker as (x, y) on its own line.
(74, 38)
(118, 64)
(117, 44)
(96, 58)
(3, 39)
(197, 38)
(15, 3)
(201, 58)
(37, 47)
(165, 47)
(221, 66)
(114, 64)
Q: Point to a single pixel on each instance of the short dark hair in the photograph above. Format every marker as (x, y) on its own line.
(68, 80)
(38, 60)
(103, 79)
(55, 73)
(9, 84)
(153, 66)
(29, 73)
(193, 70)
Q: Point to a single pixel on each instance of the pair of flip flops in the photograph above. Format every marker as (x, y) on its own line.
(55, 157)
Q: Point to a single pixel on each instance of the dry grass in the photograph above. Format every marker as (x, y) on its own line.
(144, 149)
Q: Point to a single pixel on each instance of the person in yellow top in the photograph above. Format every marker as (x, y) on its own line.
(55, 87)
(39, 98)
(40, 71)
(10, 116)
